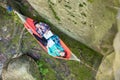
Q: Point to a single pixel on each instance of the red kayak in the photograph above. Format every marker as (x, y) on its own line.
(29, 25)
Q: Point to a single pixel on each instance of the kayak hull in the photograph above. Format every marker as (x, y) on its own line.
(29, 24)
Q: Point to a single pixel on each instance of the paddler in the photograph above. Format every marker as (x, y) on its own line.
(53, 43)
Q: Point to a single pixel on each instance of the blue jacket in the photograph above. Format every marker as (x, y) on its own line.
(54, 49)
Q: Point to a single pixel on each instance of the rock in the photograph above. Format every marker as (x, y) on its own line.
(0, 38)
(34, 56)
(75, 18)
(105, 71)
(110, 66)
(23, 68)
(4, 28)
(9, 33)
(92, 22)
(2, 60)
(116, 66)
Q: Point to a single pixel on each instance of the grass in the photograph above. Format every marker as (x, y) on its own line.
(80, 72)
(43, 71)
(91, 1)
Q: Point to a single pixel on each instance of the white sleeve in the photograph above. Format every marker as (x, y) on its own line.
(48, 34)
(50, 43)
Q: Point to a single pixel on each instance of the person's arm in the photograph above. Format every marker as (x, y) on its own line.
(50, 52)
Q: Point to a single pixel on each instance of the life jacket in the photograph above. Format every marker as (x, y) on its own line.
(54, 47)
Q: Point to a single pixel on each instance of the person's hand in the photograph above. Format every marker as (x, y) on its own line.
(62, 53)
(47, 46)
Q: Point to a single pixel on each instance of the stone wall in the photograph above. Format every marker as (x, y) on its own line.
(88, 21)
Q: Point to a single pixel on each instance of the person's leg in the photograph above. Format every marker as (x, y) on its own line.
(44, 41)
(41, 40)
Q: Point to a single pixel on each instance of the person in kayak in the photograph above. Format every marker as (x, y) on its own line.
(53, 43)
(54, 47)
